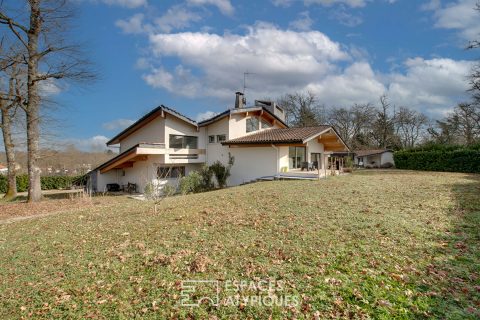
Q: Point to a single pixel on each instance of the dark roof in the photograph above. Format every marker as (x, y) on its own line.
(152, 113)
(274, 136)
(364, 153)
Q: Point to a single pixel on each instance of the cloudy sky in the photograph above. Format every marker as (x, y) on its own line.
(192, 54)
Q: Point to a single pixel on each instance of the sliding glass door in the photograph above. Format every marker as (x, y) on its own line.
(296, 156)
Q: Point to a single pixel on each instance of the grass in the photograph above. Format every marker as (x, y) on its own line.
(377, 244)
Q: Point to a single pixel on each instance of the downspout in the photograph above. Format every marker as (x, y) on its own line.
(278, 160)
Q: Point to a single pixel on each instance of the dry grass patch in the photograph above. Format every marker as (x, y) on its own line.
(387, 245)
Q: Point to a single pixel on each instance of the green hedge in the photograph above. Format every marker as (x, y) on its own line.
(440, 158)
(48, 182)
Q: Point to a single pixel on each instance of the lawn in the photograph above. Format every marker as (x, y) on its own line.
(375, 244)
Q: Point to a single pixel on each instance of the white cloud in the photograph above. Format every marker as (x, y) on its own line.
(95, 143)
(280, 59)
(303, 23)
(126, 3)
(346, 18)
(49, 87)
(205, 115)
(459, 15)
(225, 6)
(176, 17)
(118, 124)
(133, 25)
(351, 3)
(431, 84)
(284, 61)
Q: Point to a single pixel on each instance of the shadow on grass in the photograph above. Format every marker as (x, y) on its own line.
(454, 278)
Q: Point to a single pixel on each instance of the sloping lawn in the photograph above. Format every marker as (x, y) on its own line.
(376, 244)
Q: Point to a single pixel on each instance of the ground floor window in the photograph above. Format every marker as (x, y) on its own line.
(316, 159)
(296, 156)
(170, 172)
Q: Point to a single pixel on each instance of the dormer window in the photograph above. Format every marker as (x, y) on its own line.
(252, 124)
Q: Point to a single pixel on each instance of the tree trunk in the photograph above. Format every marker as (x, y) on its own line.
(10, 154)
(32, 112)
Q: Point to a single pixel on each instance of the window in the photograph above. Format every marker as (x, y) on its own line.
(266, 124)
(296, 155)
(211, 139)
(221, 138)
(170, 172)
(252, 124)
(183, 142)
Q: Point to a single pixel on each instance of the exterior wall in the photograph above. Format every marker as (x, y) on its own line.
(153, 132)
(252, 163)
(387, 157)
(313, 146)
(215, 151)
(373, 158)
(283, 158)
(112, 176)
(176, 126)
(142, 173)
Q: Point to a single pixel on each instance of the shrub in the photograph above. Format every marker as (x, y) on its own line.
(387, 165)
(192, 183)
(222, 172)
(47, 182)
(206, 175)
(440, 158)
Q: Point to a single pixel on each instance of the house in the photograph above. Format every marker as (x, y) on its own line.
(374, 158)
(167, 144)
(3, 169)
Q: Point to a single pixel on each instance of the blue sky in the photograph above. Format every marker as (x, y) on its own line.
(191, 55)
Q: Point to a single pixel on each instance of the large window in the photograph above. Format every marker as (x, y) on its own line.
(183, 142)
(170, 172)
(252, 124)
(296, 156)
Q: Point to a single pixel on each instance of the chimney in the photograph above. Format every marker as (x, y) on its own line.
(239, 100)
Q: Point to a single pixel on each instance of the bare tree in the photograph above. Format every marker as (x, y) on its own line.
(302, 109)
(48, 57)
(410, 126)
(383, 127)
(353, 124)
(10, 101)
(462, 126)
(475, 76)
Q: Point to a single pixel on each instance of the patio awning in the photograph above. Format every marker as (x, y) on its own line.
(126, 159)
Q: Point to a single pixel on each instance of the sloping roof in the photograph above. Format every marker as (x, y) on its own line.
(275, 136)
(148, 117)
(232, 111)
(364, 153)
(2, 166)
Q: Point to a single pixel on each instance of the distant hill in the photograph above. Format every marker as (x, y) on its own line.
(69, 161)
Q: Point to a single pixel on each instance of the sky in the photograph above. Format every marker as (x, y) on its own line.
(191, 55)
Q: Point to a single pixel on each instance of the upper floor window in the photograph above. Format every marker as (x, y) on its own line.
(252, 124)
(221, 138)
(266, 124)
(183, 142)
(211, 139)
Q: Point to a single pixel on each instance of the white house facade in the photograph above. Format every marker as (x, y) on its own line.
(374, 158)
(165, 144)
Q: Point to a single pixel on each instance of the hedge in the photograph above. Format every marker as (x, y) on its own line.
(48, 182)
(440, 158)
